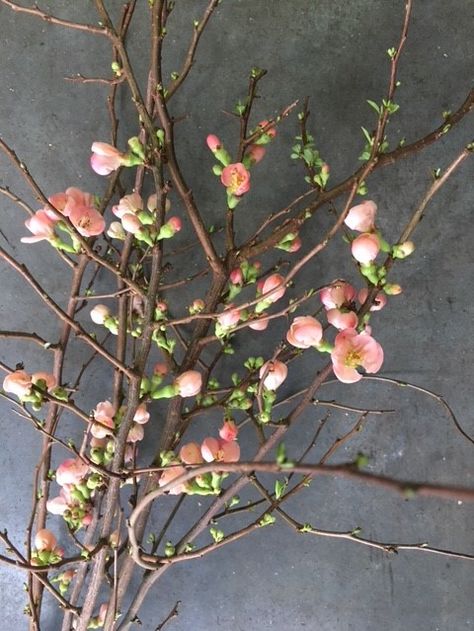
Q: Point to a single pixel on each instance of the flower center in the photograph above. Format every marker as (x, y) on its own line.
(353, 359)
(236, 180)
(84, 222)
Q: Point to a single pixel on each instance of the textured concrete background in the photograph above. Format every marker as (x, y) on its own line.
(333, 51)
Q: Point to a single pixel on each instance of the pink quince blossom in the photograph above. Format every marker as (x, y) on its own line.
(190, 453)
(229, 318)
(256, 153)
(71, 471)
(189, 383)
(305, 331)
(365, 247)
(342, 319)
(57, 505)
(236, 277)
(18, 383)
(275, 374)
(236, 178)
(87, 220)
(259, 324)
(229, 430)
(272, 283)
(218, 450)
(362, 217)
(170, 474)
(131, 223)
(49, 379)
(105, 158)
(132, 203)
(380, 299)
(337, 295)
(142, 415)
(175, 224)
(353, 350)
(213, 142)
(103, 414)
(41, 226)
(295, 245)
(136, 433)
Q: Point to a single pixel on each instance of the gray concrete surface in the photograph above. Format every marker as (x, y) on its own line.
(333, 51)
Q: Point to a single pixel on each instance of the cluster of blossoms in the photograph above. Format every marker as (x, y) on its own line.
(222, 449)
(74, 207)
(74, 502)
(46, 550)
(32, 388)
(235, 176)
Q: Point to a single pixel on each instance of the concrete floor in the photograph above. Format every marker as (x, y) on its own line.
(333, 51)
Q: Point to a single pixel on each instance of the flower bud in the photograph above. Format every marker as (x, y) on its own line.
(99, 313)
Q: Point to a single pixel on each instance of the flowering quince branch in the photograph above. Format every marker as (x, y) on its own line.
(128, 232)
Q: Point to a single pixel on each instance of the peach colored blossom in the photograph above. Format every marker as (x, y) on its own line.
(105, 158)
(48, 378)
(337, 295)
(57, 505)
(259, 324)
(99, 314)
(354, 350)
(295, 245)
(229, 430)
(59, 201)
(229, 318)
(41, 226)
(45, 540)
(189, 383)
(142, 415)
(190, 453)
(256, 153)
(170, 474)
(18, 383)
(131, 223)
(379, 302)
(132, 203)
(272, 283)
(305, 331)
(275, 374)
(175, 224)
(213, 142)
(271, 131)
(87, 220)
(342, 319)
(362, 217)
(136, 433)
(365, 247)
(236, 178)
(71, 471)
(217, 450)
(103, 414)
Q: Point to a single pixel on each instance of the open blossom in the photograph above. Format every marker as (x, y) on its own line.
(362, 217)
(229, 430)
(342, 319)
(365, 248)
(71, 471)
(275, 374)
(105, 158)
(380, 299)
(229, 318)
(272, 283)
(18, 383)
(132, 203)
(337, 295)
(142, 415)
(136, 433)
(190, 453)
(103, 414)
(65, 201)
(99, 314)
(87, 220)
(305, 331)
(170, 474)
(189, 383)
(236, 178)
(41, 226)
(218, 450)
(260, 324)
(354, 350)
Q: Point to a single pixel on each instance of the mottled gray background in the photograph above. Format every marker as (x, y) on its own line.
(333, 51)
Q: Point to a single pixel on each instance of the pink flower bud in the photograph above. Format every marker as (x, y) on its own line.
(236, 277)
(229, 430)
(295, 245)
(160, 369)
(337, 295)
(103, 414)
(197, 305)
(259, 324)
(71, 471)
(190, 453)
(18, 383)
(274, 284)
(213, 142)
(305, 331)
(256, 153)
(342, 319)
(41, 226)
(236, 178)
(175, 223)
(229, 318)
(170, 474)
(57, 505)
(189, 383)
(105, 158)
(362, 217)
(365, 248)
(379, 302)
(131, 223)
(45, 540)
(132, 203)
(99, 314)
(142, 415)
(275, 374)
